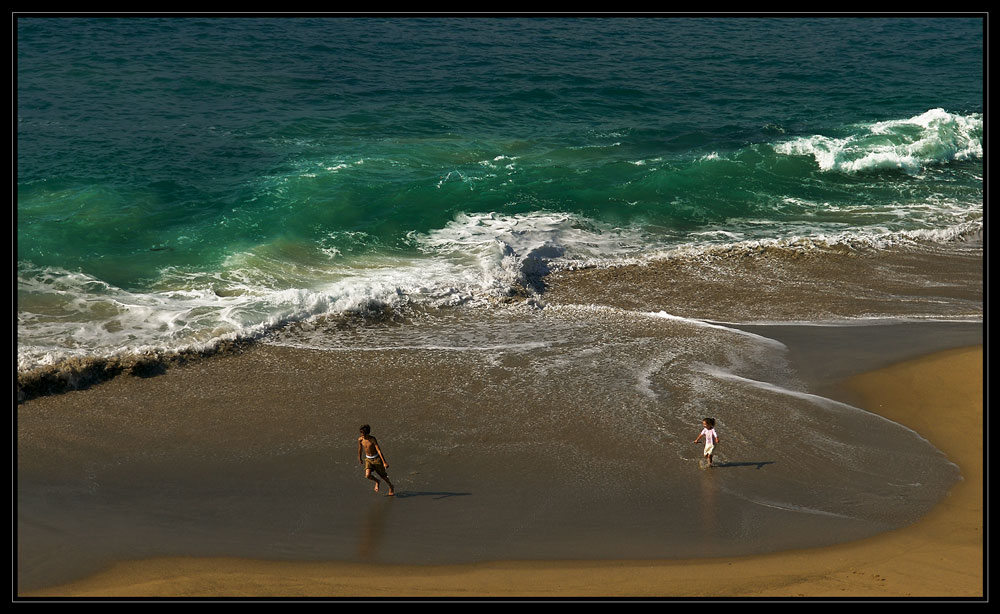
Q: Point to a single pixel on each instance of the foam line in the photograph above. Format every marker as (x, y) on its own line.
(719, 326)
(813, 398)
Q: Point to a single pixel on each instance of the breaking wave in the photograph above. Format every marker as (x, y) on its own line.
(911, 145)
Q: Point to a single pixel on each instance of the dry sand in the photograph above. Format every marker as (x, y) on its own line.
(939, 396)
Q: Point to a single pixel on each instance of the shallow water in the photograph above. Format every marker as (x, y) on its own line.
(575, 445)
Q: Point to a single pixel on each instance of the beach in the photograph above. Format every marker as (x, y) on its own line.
(941, 555)
(542, 447)
(534, 255)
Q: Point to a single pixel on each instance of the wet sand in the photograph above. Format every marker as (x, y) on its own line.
(939, 556)
(545, 452)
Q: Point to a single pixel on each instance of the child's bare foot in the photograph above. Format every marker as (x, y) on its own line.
(376, 486)
(391, 492)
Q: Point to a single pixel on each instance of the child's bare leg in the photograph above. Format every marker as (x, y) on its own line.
(392, 490)
(368, 474)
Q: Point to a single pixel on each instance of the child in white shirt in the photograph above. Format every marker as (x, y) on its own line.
(711, 438)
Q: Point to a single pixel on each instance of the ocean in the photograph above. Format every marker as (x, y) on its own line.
(183, 180)
(616, 223)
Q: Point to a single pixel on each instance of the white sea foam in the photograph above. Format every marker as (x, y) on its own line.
(814, 400)
(515, 249)
(705, 323)
(909, 145)
(875, 239)
(68, 314)
(474, 260)
(788, 507)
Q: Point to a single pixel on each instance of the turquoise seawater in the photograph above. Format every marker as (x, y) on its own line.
(186, 180)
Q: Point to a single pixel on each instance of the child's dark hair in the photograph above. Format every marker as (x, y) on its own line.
(710, 422)
(365, 429)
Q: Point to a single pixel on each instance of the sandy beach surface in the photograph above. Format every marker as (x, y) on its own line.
(535, 256)
(941, 555)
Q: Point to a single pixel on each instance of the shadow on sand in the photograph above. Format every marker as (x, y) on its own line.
(744, 464)
(436, 495)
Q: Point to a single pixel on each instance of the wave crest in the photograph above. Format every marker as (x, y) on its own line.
(911, 145)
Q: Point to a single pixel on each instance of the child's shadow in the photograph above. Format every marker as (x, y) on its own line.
(744, 464)
(436, 495)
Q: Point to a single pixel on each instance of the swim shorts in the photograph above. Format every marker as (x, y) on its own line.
(708, 448)
(375, 464)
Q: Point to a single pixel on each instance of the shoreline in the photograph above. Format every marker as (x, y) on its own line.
(941, 555)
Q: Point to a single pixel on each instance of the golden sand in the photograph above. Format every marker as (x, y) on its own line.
(940, 397)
